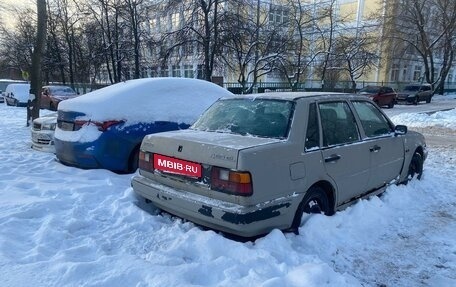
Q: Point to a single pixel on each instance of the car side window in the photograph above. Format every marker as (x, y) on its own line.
(338, 123)
(373, 121)
(312, 133)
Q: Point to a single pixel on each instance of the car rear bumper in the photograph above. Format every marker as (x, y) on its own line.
(405, 100)
(245, 221)
(80, 155)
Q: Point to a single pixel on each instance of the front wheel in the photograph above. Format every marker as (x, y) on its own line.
(315, 202)
(416, 166)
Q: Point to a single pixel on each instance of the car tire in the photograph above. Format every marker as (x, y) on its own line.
(415, 100)
(415, 167)
(133, 160)
(391, 105)
(428, 100)
(315, 202)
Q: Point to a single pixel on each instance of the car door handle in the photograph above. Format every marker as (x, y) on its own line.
(375, 148)
(332, 158)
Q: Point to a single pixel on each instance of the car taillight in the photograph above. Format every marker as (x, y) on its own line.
(102, 126)
(146, 161)
(233, 182)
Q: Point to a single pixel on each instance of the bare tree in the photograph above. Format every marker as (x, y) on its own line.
(255, 45)
(33, 107)
(427, 28)
(196, 23)
(356, 54)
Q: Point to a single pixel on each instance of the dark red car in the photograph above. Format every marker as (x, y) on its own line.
(381, 95)
(51, 96)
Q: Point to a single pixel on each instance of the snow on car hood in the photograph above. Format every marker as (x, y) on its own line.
(166, 99)
(46, 119)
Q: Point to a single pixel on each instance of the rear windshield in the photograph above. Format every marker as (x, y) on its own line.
(412, 88)
(62, 90)
(257, 117)
(371, 90)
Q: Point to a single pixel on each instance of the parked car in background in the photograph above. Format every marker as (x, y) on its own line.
(17, 95)
(258, 162)
(104, 128)
(381, 95)
(43, 132)
(414, 94)
(51, 96)
(4, 83)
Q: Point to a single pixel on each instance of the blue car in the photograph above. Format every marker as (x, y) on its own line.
(104, 128)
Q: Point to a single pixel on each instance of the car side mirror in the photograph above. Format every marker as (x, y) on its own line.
(400, 130)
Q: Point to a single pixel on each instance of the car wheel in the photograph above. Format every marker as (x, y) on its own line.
(415, 100)
(315, 202)
(391, 105)
(133, 160)
(428, 100)
(415, 167)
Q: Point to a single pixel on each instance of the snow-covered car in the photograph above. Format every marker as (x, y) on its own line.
(17, 95)
(43, 133)
(413, 94)
(104, 128)
(258, 162)
(51, 96)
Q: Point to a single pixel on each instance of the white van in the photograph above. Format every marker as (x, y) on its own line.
(17, 95)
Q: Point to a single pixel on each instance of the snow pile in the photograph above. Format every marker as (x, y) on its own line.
(445, 119)
(63, 226)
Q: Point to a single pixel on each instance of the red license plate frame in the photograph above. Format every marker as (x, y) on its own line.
(177, 166)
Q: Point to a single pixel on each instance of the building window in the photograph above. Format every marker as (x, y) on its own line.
(405, 73)
(144, 72)
(176, 20)
(188, 71)
(277, 15)
(164, 71)
(176, 71)
(153, 72)
(200, 72)
(417, 73)
(395, 73)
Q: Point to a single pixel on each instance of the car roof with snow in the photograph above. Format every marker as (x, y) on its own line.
(149, 99)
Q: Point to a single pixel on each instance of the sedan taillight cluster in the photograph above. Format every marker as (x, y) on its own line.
(102, 126)
(221, 179)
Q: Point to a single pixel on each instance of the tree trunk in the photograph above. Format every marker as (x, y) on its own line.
(33, 107)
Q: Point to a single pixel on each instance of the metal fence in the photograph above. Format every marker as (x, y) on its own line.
(314, 85)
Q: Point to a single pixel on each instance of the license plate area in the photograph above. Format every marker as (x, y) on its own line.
(177, 166)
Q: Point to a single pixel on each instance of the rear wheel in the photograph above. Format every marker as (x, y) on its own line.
(428, 100)
(391, 105)
(133, 160)
(315, 202)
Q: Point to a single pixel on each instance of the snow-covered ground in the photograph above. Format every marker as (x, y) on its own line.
(62, 226)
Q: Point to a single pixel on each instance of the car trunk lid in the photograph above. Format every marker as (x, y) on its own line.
(207, 148)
